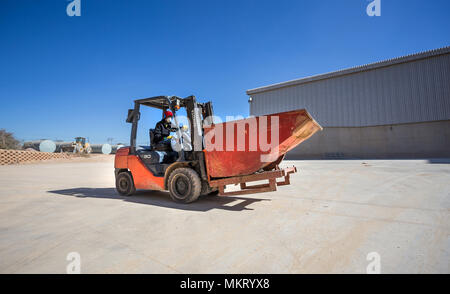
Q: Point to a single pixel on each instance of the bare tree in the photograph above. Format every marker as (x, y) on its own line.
(7, 140)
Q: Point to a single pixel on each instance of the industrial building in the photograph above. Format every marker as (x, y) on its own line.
(397, 108)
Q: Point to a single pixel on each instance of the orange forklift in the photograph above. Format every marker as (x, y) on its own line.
(194, 170)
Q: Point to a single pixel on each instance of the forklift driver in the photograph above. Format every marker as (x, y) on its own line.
(162, 132)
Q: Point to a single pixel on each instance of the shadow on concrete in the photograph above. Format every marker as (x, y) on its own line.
(162, 199)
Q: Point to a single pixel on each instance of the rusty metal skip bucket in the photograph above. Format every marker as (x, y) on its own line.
(230, 150)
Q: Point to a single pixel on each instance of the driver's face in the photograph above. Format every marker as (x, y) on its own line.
(168, 119)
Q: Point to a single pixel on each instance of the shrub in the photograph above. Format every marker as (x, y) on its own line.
(7, 140)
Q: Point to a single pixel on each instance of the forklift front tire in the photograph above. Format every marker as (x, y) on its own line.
(124, 184)
(184, 185)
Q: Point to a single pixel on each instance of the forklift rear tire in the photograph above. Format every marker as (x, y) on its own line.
(124, 184)
(184, 185)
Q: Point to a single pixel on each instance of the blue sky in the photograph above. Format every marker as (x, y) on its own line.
(62, 77)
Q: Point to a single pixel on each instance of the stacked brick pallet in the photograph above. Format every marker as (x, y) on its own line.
(18, 156)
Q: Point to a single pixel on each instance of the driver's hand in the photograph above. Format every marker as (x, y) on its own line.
(184, 128)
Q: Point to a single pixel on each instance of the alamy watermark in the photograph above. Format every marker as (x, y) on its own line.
(74, 266)
(252, 134)
(374, 8)
(74, 8)
(374, 267)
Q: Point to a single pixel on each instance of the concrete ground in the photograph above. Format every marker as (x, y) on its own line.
(332, 216)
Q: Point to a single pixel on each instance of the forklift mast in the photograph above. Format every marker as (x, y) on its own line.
(194, 113)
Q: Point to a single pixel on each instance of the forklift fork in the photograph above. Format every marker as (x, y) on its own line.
(271, 176)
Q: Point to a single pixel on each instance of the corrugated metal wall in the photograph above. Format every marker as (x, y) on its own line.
(416, 91)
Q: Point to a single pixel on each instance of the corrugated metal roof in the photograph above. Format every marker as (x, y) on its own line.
(352, 70)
